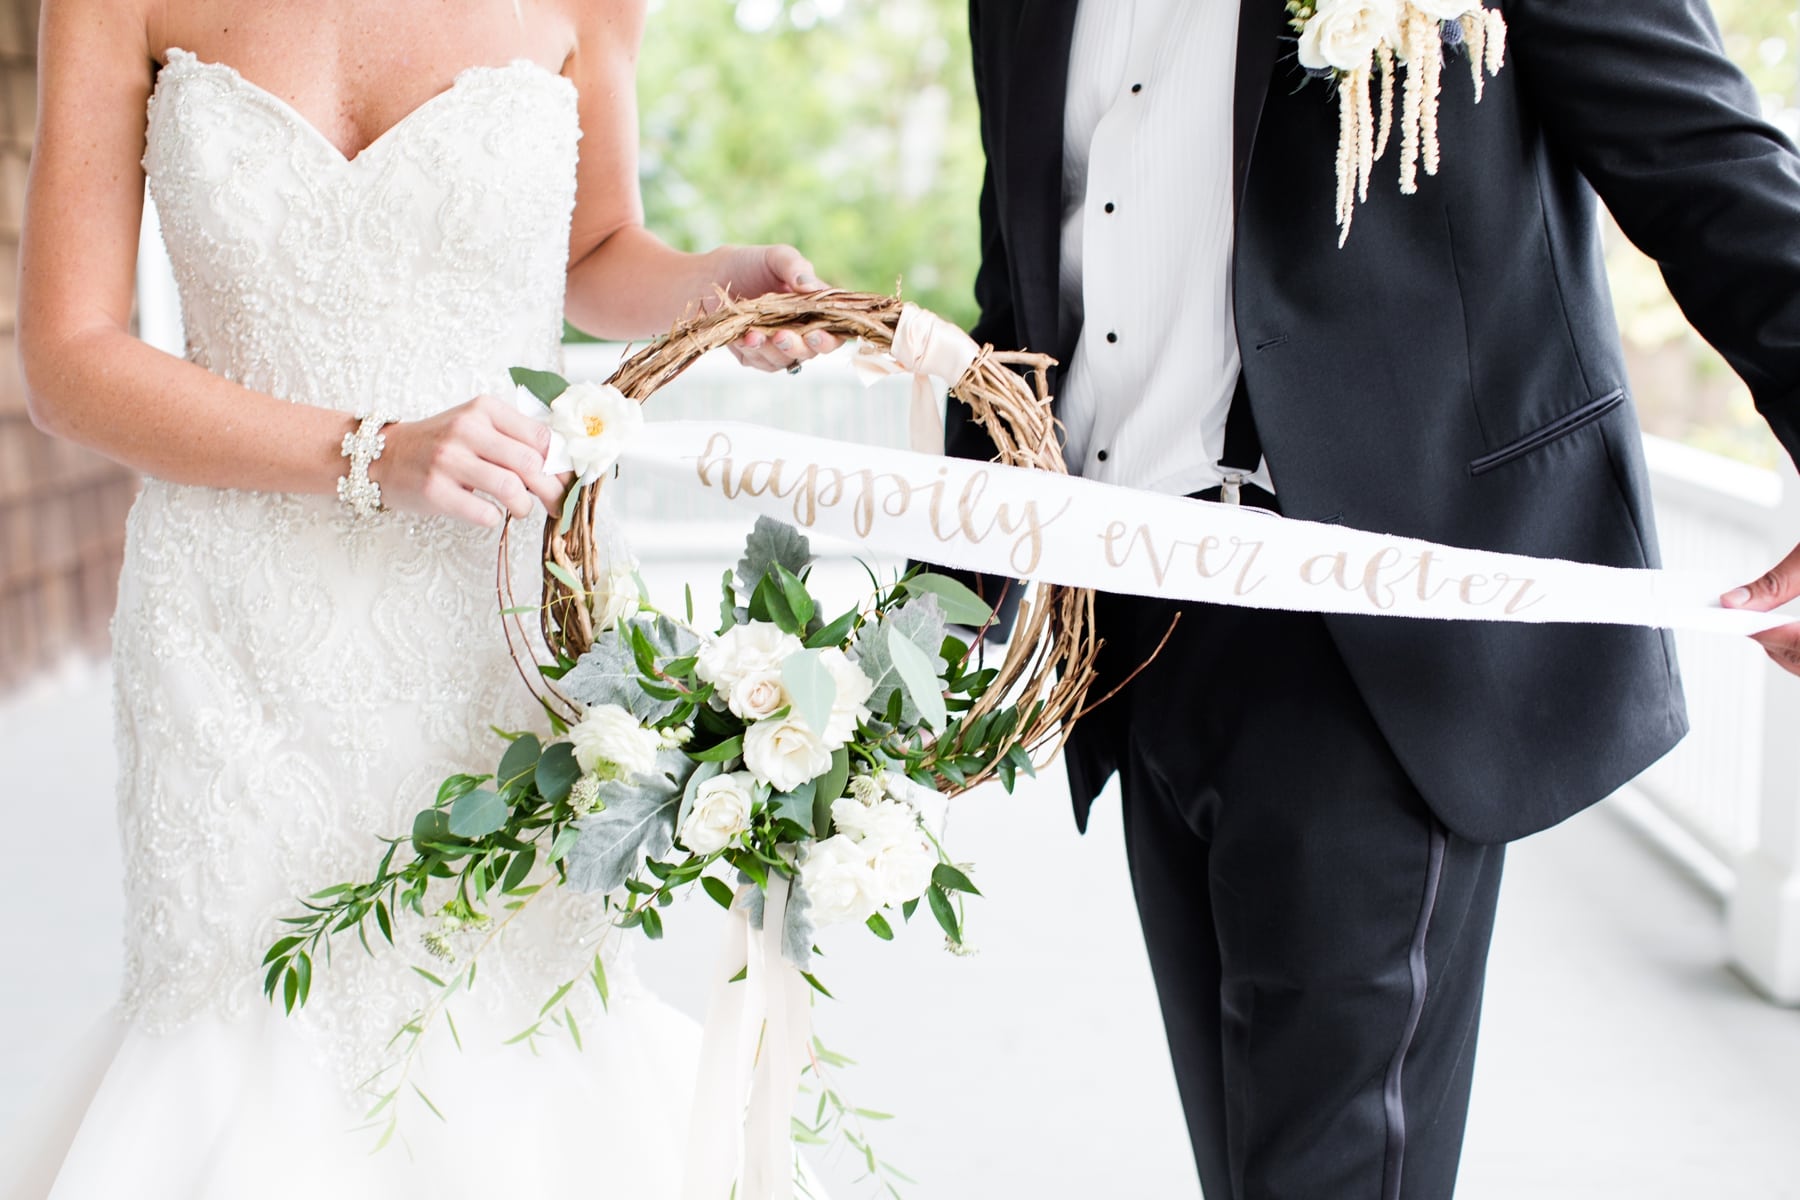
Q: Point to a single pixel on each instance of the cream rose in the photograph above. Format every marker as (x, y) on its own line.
(616, 599)
(720, 813)
(903, 868)
(1343, 34)
(747, 649)
(611, 743)
(840, 884)
(595, 421)
(784, 753)
(850, 704)
(757, 695)
(878, 822)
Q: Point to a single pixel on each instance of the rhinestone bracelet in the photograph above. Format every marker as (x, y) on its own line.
(356, 491)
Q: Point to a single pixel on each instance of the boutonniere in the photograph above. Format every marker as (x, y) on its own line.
(1360, 44)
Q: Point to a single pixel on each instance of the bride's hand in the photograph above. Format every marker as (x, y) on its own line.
(757, 271)
(438, 465)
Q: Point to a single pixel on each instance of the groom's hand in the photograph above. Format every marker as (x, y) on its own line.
(756, 271)
(1781, 584)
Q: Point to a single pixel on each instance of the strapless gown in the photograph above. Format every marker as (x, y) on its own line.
(292, 683)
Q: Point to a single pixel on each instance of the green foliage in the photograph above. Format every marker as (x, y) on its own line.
(846, 128)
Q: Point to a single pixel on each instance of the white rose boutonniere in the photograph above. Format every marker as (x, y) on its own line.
(785, 752)
(1363, 46)
(720, 814)
(612, 744)
(1343, 34)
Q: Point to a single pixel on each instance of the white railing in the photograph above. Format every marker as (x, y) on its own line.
(1727, 798)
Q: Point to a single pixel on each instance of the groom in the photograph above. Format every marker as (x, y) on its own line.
(1316, 807)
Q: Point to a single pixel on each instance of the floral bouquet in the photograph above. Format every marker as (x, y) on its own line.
(787, 760)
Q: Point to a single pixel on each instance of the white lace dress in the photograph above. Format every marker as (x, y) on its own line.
(292, 683)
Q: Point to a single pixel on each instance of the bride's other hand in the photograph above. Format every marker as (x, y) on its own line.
(448, 464)
(757, 271)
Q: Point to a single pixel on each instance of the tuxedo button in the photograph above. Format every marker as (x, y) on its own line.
(1136, 88)
(1112, 337)
(1109, 206)
(1101, 456)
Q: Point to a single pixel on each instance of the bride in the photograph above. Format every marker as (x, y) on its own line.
(373, 210)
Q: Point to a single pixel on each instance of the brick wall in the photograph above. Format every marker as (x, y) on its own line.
(62, 510)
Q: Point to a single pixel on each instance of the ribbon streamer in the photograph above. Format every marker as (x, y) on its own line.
(753, 1051)
(926, 347)
(1036, 525)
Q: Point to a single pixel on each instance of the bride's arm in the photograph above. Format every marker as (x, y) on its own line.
(624, 282)
(90, 381)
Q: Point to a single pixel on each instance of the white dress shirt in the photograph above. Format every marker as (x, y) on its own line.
(1146, 241)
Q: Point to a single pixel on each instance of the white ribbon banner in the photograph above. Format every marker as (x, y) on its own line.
(1035, 525)
(1030, 524)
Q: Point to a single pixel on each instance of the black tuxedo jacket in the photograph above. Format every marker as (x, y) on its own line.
(1454, 373)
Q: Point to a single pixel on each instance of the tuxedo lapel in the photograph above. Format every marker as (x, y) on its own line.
(1259, 42)
(1037, 89)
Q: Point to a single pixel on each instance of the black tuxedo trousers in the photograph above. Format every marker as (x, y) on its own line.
(1318, 937)
(1315, 805)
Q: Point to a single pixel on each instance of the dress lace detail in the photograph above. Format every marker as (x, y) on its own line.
(291, 683)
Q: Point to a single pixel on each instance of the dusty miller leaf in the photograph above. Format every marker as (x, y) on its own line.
(798, 932)
(608, 672)
(921, 622)
(638, 822)
(772, 542)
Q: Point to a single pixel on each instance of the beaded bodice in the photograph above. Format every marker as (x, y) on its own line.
(396, 280)
(293, 683)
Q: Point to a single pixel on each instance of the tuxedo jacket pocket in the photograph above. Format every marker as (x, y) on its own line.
(1556, 430)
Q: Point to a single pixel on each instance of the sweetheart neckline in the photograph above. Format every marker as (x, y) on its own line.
(175, 53)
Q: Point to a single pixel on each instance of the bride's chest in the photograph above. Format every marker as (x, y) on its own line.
(478, 177)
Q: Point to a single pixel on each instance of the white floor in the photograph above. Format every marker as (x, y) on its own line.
(1622, 1059)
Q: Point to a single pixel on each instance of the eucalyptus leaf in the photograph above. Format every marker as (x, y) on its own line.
(961, 606)
(918, 674)
(477, 814)
(557, 772)
(797, 805)
(545, 385)
(769, 544)
(810, 688)
(638, 822)
(519, 762)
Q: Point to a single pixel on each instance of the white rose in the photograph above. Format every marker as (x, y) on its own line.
(746, 649)
(595, 420)
(903, 868)
(721, 812)
(613, 744)
(840, 884)
(850, 704)
(784, 753)
(1343, 34)
(880, 822)
(757, 695)
(616, 599)
(1443, 10)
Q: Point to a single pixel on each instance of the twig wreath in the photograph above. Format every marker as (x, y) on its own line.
(1049, 663)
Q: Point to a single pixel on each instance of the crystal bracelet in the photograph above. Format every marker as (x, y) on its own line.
(356, 491)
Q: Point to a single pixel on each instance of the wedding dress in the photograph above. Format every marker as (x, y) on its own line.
(292, 683)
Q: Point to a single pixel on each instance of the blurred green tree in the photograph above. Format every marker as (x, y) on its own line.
(847, 127)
